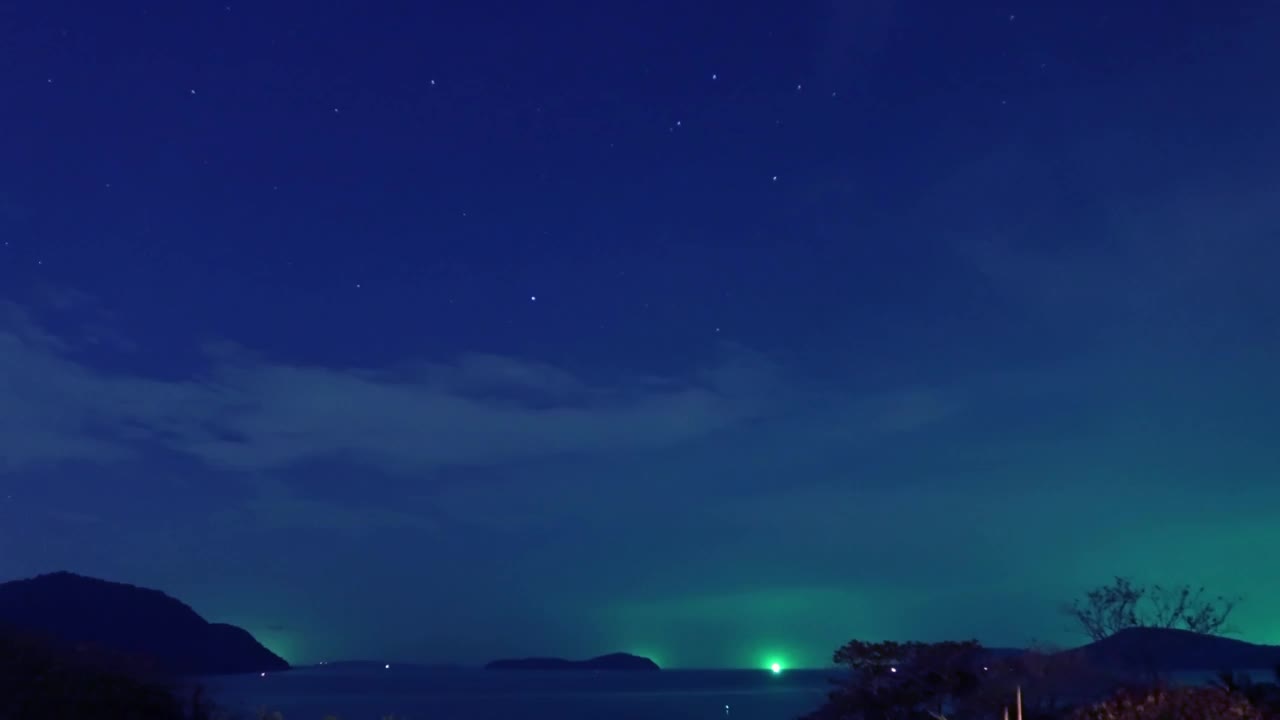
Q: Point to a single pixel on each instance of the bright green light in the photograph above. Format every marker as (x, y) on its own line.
(774, 662)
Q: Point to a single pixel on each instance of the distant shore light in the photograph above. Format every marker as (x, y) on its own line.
(776, 668)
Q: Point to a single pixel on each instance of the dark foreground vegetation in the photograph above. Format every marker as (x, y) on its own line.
(962, 681)
(1140, 635)
(42, 679)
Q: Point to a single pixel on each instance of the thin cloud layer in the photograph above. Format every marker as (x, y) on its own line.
(260, 415)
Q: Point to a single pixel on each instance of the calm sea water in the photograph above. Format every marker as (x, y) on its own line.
(416, 694)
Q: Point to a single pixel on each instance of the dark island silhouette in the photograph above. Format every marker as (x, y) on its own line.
(1162, 650)
(613, 662)
(1173, 650)
(98, 618)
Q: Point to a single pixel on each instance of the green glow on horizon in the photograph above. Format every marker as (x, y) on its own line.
(277, 642)
(775, 663)
(653, 655)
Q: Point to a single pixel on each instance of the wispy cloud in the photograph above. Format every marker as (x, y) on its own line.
(254, 414)
(247, 412)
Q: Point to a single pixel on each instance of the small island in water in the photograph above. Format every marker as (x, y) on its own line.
(615, 661)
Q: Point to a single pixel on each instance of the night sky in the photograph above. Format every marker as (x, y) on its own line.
(714, 331)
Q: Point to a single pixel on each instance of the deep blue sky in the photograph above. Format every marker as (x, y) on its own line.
(715, 331)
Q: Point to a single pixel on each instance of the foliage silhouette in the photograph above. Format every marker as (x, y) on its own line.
(1108, 609)
(43, 680)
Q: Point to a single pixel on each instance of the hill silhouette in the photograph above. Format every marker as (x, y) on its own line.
(614, 661)
(1170, 650)
(103, 619)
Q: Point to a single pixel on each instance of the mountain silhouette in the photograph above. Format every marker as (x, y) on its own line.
(108, 619)
(1170, 650)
